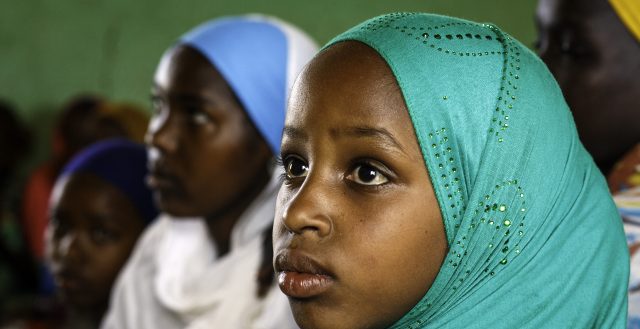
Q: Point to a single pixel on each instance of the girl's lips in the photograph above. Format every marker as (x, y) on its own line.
(303, 285)
(299, 276)
(70, 282)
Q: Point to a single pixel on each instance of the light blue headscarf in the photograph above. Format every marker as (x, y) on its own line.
(534, 238)
(259, 57)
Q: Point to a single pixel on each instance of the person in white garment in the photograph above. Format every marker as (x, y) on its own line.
(219, 96)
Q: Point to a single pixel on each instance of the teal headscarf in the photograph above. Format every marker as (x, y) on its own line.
(534, 237)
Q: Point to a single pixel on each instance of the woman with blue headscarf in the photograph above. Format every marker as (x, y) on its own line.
(99, 207)
(434, 179)
(219, 96)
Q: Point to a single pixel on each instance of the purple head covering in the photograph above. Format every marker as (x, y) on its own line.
(121, 163)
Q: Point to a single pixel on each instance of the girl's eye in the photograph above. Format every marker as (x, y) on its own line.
(60, 228)
(366, 174)
(101, 235)
(295, 167)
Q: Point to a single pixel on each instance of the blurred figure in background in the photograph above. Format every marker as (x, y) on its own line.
(83, 121)
(99, 207)
(219, 96)
(17, 271)
(593, 49)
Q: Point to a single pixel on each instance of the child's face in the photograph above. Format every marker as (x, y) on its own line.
(92, 230)
(205, 154)
(358, 236)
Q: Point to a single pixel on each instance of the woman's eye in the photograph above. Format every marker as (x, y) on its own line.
(157, 104)
(199, 118)
(573, 47)
(365, 174)
(295, 167)
(197, 114)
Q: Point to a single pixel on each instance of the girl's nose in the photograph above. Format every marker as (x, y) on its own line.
(308, 211)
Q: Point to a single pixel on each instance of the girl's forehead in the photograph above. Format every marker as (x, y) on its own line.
(350, 96)
(348, 75)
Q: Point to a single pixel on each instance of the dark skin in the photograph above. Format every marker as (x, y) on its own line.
(596, 61)
(206, 157)
(92, 230)
(357, 199)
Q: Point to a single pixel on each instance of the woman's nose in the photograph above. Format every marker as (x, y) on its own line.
(162, 133)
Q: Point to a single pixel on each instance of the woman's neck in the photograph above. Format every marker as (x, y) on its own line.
(221, 225)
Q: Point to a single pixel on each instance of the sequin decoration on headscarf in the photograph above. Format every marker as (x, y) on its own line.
(534, 238)
(629, 13)
(261, 83)
(121, 163)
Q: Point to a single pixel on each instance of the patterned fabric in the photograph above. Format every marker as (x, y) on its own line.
(534, 238)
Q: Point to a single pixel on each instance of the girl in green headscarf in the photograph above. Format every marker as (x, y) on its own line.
(434, 179)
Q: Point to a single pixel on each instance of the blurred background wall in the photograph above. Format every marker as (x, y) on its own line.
(51, 50)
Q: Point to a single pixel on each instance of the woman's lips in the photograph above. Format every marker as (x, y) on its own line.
(300, 276)
(159, 182)
(161, 179)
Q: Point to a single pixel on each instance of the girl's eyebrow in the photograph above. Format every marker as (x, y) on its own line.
(380, 134)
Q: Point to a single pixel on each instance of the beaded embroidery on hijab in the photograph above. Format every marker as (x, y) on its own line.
(534, 237)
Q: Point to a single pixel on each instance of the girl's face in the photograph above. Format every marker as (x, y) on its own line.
(92, 230)
(205, 155)
(358, 235)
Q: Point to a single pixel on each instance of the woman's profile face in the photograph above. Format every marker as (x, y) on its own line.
(358, 235)
(204, 152)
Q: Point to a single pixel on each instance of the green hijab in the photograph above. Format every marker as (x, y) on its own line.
(534, 238)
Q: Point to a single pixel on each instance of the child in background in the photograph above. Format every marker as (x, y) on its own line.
(83, 121)
(99, 206)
